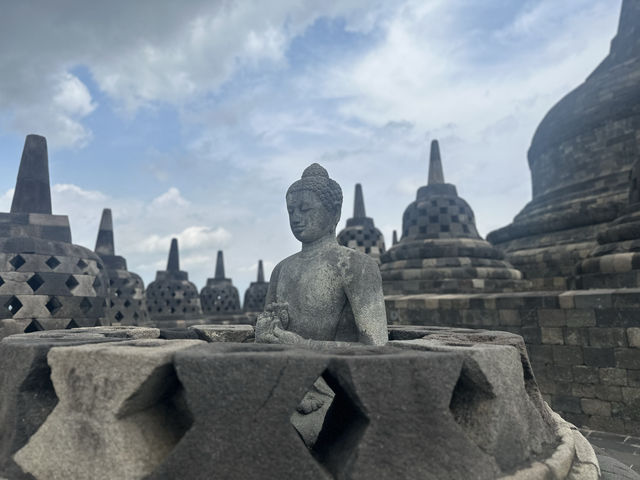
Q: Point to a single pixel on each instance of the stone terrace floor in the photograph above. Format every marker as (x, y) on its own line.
(621, 447)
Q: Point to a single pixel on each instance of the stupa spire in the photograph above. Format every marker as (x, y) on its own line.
(435, 165)
(104, 242)
(219, 266)
(173, 264)
(260, 272)
(33, 193)
(358, 204)
(395, 238)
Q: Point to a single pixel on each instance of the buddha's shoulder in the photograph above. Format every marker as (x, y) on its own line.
(355, 257)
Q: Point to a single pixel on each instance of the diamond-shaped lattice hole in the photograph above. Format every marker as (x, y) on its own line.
(71, 282)
(97, 283)
(82, 264)
(52, 262)
(17, 261)
(471, 401)
(118, 292)
(1, 281)
(53, 305)
(127, 303)
(13, 305)
(35, 282)
(72, 324)
(85, 305)
(119, 316)
(34, 326)
(330, 423)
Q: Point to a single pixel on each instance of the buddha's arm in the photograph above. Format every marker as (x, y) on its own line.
(364, 291)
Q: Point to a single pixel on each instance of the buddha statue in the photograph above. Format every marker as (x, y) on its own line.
(326, 295)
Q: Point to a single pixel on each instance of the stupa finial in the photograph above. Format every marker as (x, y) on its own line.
(33, 193)
(219, 266)
(173, 264)
(260, 272)
(104, 242)
(358, 204)
(395, 238)
(435, 165)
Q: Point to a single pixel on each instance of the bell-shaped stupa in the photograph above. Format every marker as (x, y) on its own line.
(126, 304)
(580, 158)
(360, 232)
(172, 296)
(46, 282)
(256, 293)
(440, 250)
(219, 296)
(615, 262)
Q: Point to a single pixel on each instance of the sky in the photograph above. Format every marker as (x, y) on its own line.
(191, 119)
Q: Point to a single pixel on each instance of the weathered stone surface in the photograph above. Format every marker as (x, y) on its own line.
(256, 294)
(225, 333)
(126, 303)
(360, 437)
(219, 296)
(119, 414)
(172, 296)
(360, 232)
(27, 395)
(580, 158)
(325, 293)
(440, 250)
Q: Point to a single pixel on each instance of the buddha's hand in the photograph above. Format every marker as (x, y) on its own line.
(285, 336)
(275, 315)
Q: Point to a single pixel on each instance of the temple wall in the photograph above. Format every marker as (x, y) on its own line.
(584, 345)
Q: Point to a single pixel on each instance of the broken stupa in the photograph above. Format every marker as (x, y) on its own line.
(46, 282)
(360, 232)
(440, 250)
(256, 293)
(126, 304)
(580, 158)
(219, 296)
(172, 297)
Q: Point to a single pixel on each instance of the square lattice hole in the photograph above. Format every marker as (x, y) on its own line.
(13, 305)
(71, 282)
(35, 282)
(17, 261)
(53, 305)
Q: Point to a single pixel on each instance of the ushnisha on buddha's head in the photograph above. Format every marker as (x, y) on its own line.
(314, 204)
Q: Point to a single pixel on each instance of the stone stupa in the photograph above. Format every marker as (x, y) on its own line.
(580, 158)
(615, 262)
(126, 303)
(46, 282)
(440, 250)
(360, 233)
(172, 297)
(256, 293)
(219, 296)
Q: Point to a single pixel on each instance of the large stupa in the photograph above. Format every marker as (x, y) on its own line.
(440, 250)
(580, 158)
(126, 303)
(46, 282)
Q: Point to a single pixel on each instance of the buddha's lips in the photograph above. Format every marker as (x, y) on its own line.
(297, 229)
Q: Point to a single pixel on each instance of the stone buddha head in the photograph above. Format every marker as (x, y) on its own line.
(314, 204)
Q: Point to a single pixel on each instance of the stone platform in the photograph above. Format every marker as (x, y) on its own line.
(120, 402)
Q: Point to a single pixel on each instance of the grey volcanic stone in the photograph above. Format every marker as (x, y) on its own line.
(255, 295)
(172, 296)
(219, 296)
(360, 232)
(32, 193)
(126, 302)
(580, 158)
(225, 333)
(27, 395)
(116, 421)
(325, 293)
(441, 250)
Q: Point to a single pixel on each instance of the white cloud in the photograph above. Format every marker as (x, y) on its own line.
(171, 198)
(191, 238)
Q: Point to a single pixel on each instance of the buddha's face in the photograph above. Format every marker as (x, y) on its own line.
(309, 219)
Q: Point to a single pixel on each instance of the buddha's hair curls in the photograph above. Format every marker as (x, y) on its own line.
(316, 179)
